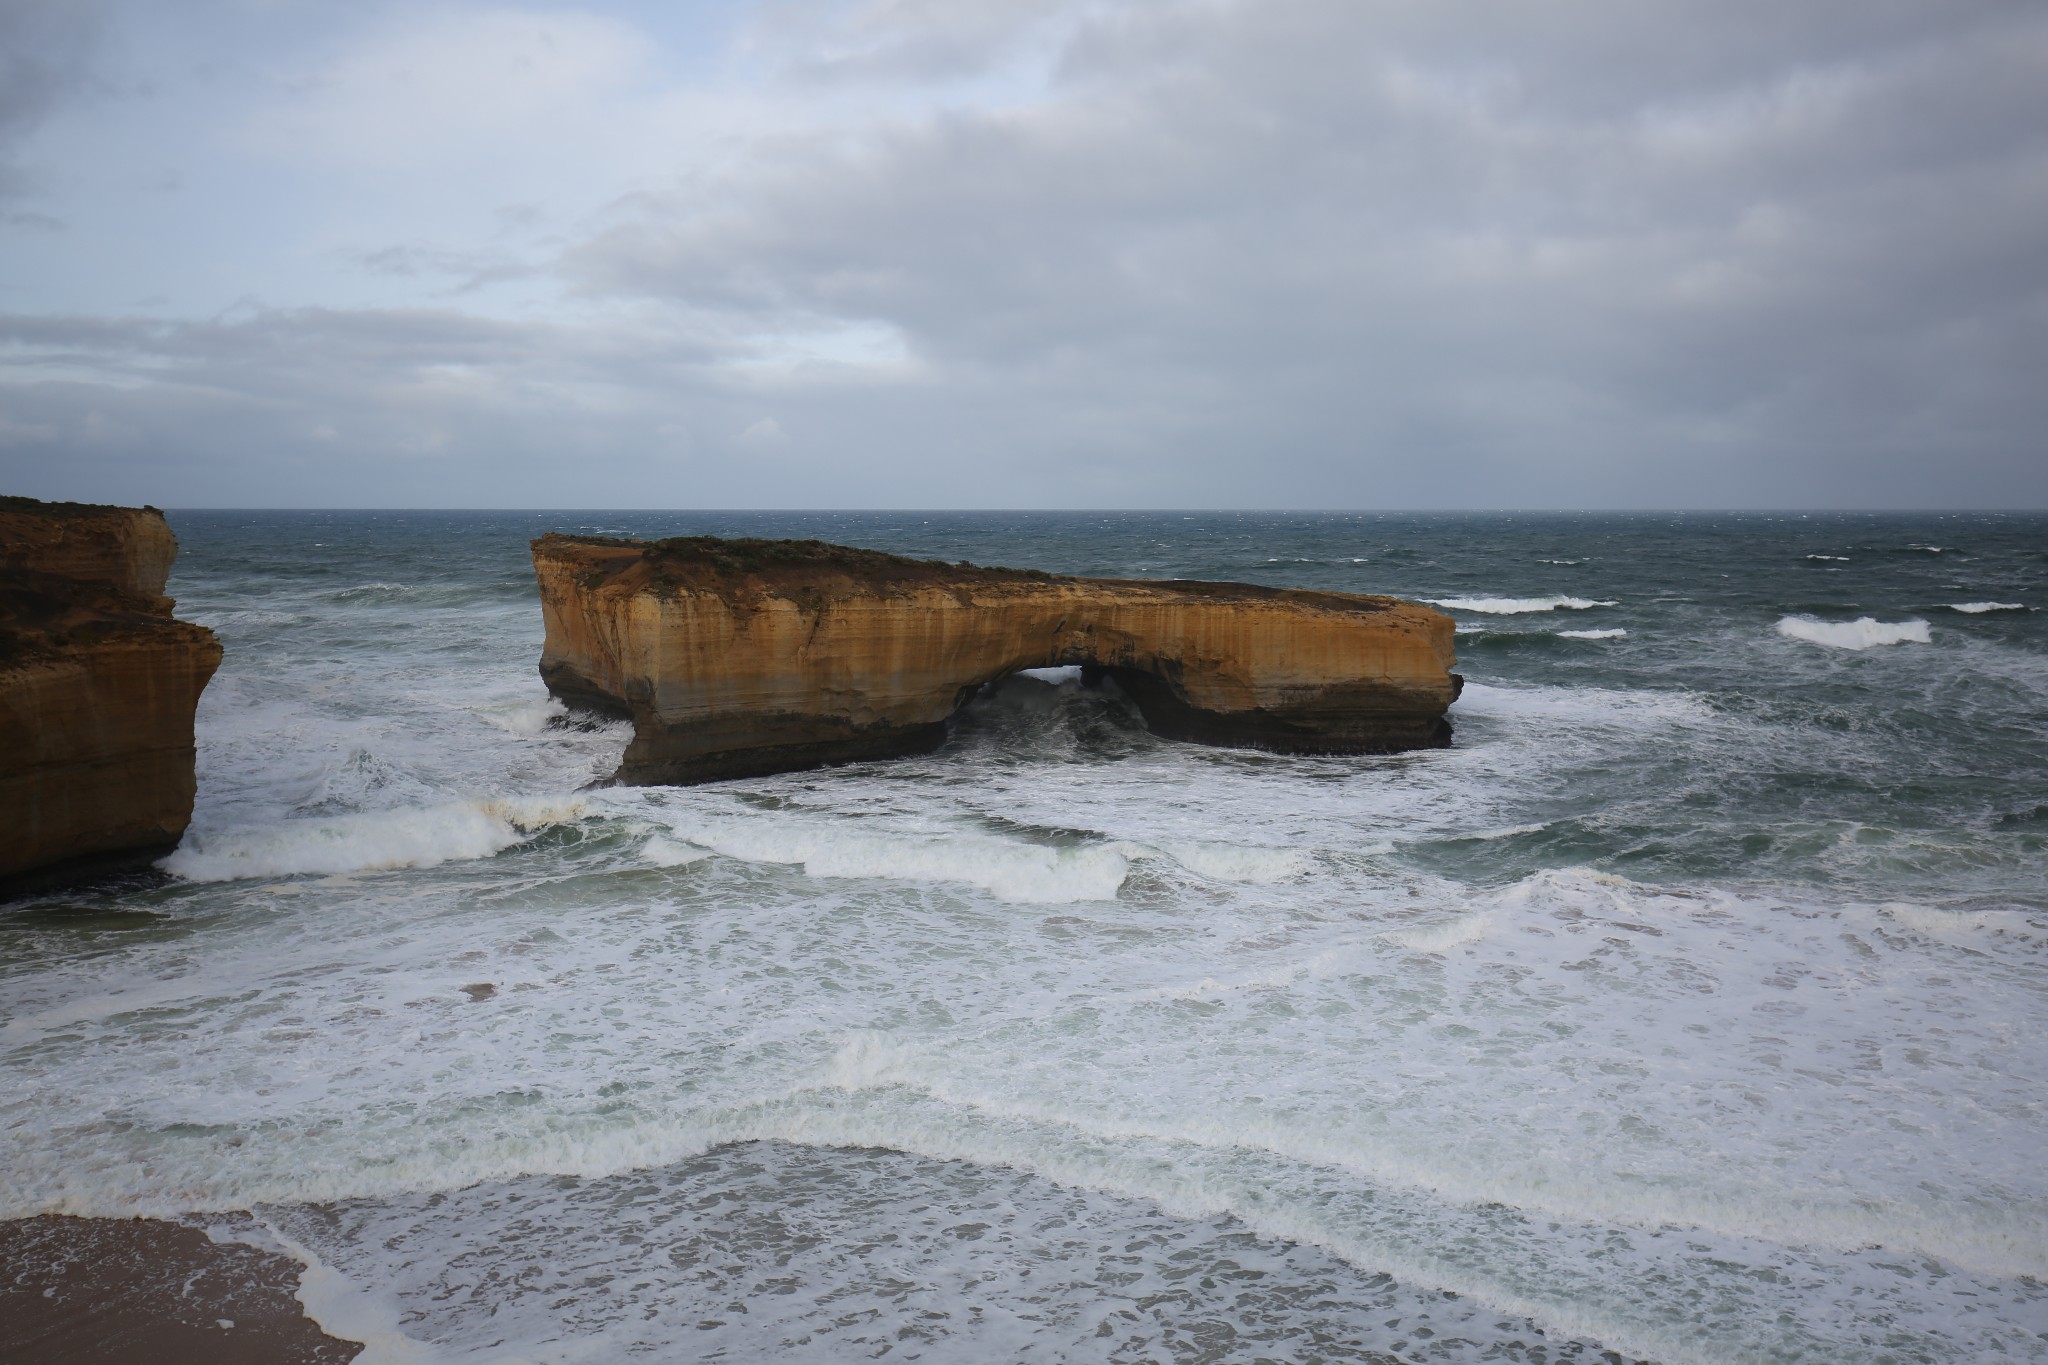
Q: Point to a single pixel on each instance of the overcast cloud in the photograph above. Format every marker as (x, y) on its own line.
(1280, 253)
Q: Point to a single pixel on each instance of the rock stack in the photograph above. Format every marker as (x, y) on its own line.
(98, 686)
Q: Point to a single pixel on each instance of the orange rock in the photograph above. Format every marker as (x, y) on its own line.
(742, 657)
(98, 685)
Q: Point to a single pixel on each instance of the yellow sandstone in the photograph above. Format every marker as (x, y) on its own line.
(736, 658)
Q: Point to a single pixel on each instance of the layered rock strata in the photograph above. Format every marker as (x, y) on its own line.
(736, 658)
(98, 686)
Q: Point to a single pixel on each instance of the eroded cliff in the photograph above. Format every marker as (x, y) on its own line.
(98, 686)
(736, 658)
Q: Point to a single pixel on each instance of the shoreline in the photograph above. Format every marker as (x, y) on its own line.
(116, 1291)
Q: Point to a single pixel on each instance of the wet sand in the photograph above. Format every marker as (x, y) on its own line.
(106, 1291)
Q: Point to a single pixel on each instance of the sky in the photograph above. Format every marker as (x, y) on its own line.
(1026, 253)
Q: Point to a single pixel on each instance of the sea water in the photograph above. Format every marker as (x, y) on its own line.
(1690, 1007)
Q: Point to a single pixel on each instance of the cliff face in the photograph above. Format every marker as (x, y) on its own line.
(737, 658)
(98, 685)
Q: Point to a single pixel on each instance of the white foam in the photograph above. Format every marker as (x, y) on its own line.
(1511, 832)
(1959, 925)
(528, 717)
(1840, 559)
(1979, 608)
(1615, 634)
(1516, 606)
(351, 1313)
(408, 837)
(1863, 633)
(1584, 706)
(1011, 869)
(1239, 862)
(1443, 936)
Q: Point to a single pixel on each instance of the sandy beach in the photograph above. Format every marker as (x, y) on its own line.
(111, 1291)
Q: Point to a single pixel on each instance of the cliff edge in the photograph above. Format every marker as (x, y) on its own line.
(98, 686)
(736, 658)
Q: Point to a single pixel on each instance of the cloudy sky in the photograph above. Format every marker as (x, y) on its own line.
(1026, 253)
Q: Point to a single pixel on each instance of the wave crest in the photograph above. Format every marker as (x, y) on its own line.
(371, 841)
(1864, 632)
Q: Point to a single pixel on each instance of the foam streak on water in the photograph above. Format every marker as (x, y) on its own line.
(1688, 1007)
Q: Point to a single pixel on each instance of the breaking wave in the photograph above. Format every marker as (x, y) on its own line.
(370, 841)
(1863, 633)
(1979, 608)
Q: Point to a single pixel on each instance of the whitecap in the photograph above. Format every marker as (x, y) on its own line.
(1863, 633)
(665, 852)
(1979, 608)
(1615, 634)
(1839, 559)
(1516, 606)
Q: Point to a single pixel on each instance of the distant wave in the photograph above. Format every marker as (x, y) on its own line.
(1863, 633)
(1516, 606)
(1979, 608)
(1615, 634)
(1840, 559)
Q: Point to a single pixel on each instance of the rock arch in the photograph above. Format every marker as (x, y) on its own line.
(736, 658)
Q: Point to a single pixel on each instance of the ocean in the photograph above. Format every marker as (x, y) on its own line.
(1691, 1007)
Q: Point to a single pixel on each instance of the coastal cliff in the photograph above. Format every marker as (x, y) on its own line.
(98, 686)
(736, 658)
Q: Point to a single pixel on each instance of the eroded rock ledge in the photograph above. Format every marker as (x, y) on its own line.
(736, 658)
(98, 685)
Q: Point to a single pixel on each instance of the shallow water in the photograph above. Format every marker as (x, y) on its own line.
(1689, 1007)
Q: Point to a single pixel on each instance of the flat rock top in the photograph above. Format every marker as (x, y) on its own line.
(800, 569)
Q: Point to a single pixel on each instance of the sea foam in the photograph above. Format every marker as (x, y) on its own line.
(1614, 634)
(1864, 632)
(1979, 608)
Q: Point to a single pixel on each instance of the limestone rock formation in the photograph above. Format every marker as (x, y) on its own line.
(735, 658)
(98, 685)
